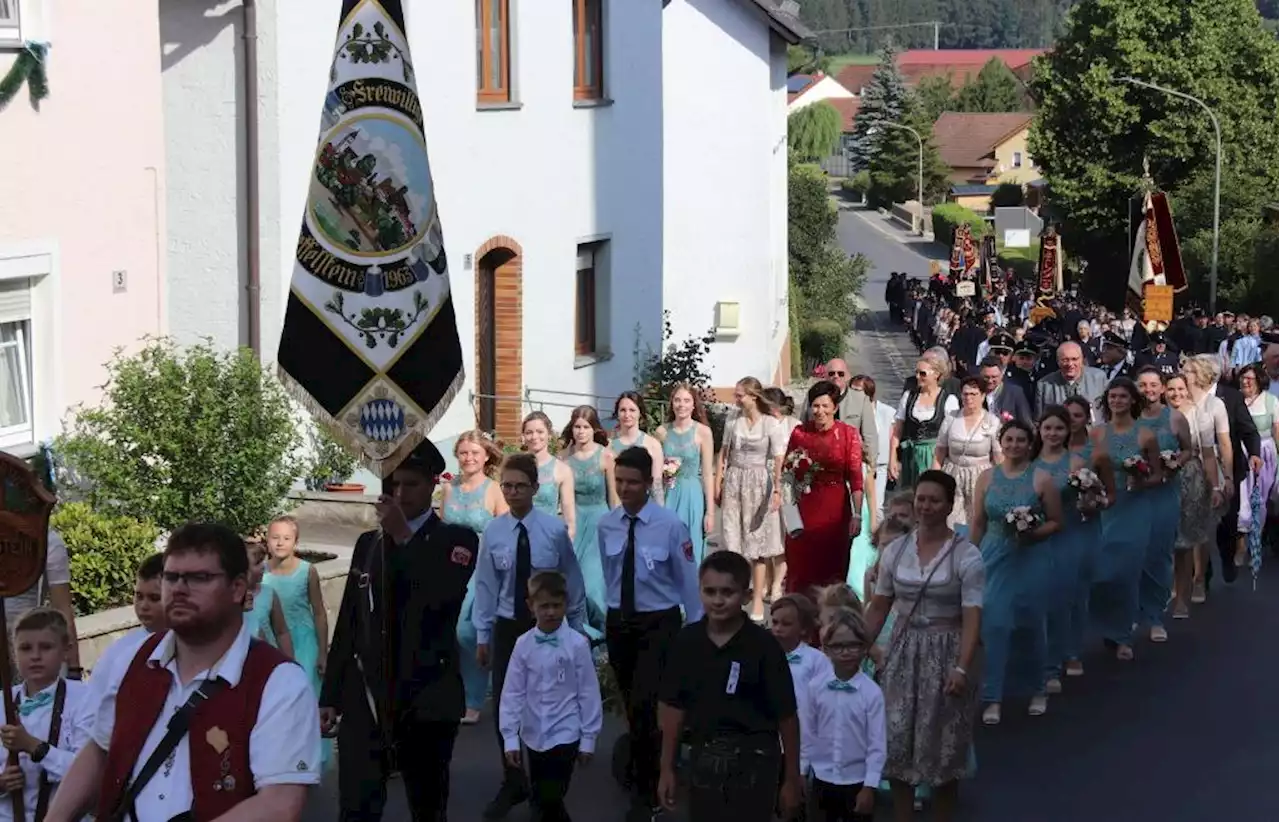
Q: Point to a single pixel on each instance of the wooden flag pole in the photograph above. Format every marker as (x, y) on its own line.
(10, 707)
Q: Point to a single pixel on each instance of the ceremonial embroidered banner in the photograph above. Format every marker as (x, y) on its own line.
(370, 341)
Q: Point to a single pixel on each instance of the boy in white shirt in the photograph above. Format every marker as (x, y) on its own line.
(792, 619)
(845, 714)
(550, 699)
(55, 715)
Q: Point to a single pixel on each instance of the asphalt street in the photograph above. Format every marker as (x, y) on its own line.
(1185, 733)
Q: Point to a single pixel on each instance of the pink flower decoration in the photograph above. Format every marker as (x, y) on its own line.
(445, 477)
(1005, 416)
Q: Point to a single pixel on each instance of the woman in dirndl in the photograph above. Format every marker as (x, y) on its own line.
(968, 444)
(1258, 486)
(932, 581)
(921, 412)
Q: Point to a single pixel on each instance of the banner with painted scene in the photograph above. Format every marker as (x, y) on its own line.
(370, 341)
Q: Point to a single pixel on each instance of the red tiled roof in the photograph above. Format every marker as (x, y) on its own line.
(961, 64)
(848, 108)
(967, 140)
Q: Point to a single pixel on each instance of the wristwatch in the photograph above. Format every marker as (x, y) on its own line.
(41, 751)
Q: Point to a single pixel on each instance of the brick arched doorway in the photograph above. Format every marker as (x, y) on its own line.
(499, 337)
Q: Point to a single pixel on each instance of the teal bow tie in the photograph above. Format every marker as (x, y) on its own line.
(32, 704)
(837, 685)
(793, 658)
(547, 639)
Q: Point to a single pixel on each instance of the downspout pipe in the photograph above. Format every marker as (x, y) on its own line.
(253, 280)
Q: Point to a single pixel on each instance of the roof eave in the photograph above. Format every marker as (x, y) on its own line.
(785, 25)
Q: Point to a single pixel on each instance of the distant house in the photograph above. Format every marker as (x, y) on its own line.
(983, 151)
(807, 89)
(961, 64)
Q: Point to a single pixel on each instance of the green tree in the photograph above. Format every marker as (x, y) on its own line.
(1093, 133)
(185, 434)
(884, 100)
(813, 132)
(805, 60)
(995, 90)
(895, 170)
(935, 96)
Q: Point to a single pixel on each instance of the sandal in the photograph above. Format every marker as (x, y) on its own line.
(1075, 667)
(1124, 653)
(1159, 634)
(1039, 705)
(991, 714)
(1053, 686)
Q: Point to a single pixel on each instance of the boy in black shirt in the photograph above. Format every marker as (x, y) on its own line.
(727, 683)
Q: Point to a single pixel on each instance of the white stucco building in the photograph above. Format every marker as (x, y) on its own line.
(586, 181)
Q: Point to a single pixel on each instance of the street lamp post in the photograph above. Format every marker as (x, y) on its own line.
(1217, 177)
(919, 167)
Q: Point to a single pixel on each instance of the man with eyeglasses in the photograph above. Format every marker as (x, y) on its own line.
(392, 674)
(853, 409)
(206, 671)
(517, 545)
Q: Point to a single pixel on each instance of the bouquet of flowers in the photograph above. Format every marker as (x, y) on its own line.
(1137, 467)
(1005, 416)
(670, 468)
(1089, 489)
(1022, 519)
(1169, 458)
(798, 471)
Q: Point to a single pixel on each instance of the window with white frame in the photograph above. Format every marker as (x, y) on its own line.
(10, 22)
(16, 388)
(1017, 159)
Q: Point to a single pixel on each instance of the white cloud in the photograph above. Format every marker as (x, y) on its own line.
(391, 163)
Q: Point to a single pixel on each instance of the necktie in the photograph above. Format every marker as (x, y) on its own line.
(629, 570)
(793, 658)
(838, 685)
(547, 639)
(520, 592)
(32, 704)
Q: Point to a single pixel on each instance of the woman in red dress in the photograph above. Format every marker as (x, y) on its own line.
(831, 510)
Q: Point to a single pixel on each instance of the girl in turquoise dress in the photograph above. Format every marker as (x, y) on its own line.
(1126, 523)
(1063, 548)
(472, 499)
(1017, 568)
(555, 480)
(1088, 532)
(296, 584)
(585, 450)
(1155, 586)
(686, 437)
(264, 616)
(628, 411)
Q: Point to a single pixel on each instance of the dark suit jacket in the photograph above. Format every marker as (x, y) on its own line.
(1010, 400)
(427, 579)
(1244, 433)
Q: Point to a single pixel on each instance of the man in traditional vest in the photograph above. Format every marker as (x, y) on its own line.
(251, 740)
(393, 676)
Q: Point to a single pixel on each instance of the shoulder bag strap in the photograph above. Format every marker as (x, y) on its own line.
(55, 733)
(178, 726)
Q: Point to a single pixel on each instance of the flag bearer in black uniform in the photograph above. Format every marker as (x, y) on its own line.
(728, 683)
(392, 674)
(649, 573)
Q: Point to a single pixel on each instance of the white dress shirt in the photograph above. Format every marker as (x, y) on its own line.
(113, 662)
(77, 724)
(551, 695)
(284, 745)
(847, 740)
(805, 663)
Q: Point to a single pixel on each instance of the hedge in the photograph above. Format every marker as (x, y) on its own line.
(105, 552)
(947, 217)
(822, 340)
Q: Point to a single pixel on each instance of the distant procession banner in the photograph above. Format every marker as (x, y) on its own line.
(370, 341)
